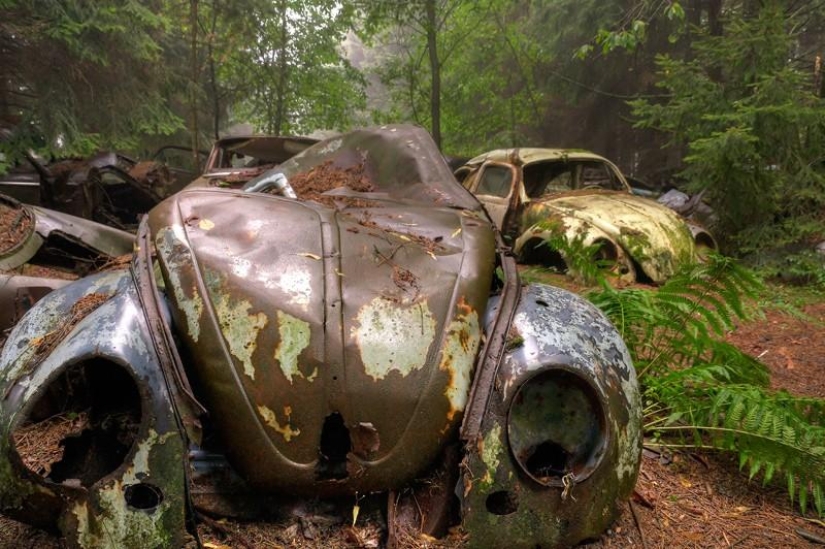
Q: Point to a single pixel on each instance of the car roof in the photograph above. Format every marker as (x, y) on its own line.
(527, 155)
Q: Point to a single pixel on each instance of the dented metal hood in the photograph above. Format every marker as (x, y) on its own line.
(333, 346)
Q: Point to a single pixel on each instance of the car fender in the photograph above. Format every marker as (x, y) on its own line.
(93, 337)
(564, 346)
(577, 233)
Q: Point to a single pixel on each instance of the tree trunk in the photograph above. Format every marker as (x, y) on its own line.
(714, 17)
(283, 68)
(213, 77)
(194, 76)
(435, 71)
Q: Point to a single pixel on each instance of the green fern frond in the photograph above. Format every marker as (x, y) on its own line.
(706, 393)
(768, 435)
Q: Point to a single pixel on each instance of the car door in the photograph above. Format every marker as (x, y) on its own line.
(495, 187)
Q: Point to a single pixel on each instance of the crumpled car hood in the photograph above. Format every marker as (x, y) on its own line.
(655, 237)
(294, 313)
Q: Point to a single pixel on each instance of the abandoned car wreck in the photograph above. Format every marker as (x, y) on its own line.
(345, 323)
(42, 250)
(548, 202)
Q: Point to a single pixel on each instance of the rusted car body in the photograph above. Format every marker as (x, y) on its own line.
(235, 160)
(43, 250)
(369, 335)
(108, 187)
(538, 195)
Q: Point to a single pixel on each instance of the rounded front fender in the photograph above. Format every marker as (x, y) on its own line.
(83, 356)
(560, 441)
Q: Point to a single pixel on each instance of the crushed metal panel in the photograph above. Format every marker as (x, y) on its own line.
(100, 238)
(339, 282)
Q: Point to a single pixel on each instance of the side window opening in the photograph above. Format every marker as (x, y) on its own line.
(598, 175)
(495, 181)
(547, 178)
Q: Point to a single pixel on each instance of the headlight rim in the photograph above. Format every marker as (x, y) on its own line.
(600, 450)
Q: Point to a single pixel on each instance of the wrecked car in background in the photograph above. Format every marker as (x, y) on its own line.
(536, 196)
(235, 160)
(368, 335)
(41, 250)
(107, 187)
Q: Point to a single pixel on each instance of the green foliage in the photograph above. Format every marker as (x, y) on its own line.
(630, 32)
(754, 128)
(489, 61)
(85, 74)
(583, 261)
(701, 391)
(289, 74)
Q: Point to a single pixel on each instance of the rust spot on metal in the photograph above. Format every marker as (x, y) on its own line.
(365, 440)
(463, 337)
(271, 420)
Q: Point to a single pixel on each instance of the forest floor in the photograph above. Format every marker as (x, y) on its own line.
(682, 500)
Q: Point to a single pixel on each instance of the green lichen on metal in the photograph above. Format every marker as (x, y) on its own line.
(491, 455)
(271, 419)
(239, 327)
(294, 336)
(393, 337)
(108, 522)
(461, 343)
(170, 243)
(15, 490)
(629, 438)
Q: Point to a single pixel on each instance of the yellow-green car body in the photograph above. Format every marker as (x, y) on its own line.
(535, 196)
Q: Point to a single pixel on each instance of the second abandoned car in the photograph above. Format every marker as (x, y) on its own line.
(368, 336)
(538, 196)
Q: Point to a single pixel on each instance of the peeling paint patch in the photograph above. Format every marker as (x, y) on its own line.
(331, 146)
(240, 329)
(171, 245)
(393, 337)
(117, 525)
(241, 267)
(490, 452)
(297, 283)
(458, 356)
(271, 420)
(294, 338)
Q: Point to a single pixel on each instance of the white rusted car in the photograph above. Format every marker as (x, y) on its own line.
(536, 196)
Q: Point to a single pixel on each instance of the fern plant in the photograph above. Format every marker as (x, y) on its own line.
(702, 392)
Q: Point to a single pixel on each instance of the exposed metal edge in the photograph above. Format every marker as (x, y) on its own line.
(187, 407)
(181, 396)
(493, 350)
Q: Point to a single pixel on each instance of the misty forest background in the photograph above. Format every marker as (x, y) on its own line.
(719, 96)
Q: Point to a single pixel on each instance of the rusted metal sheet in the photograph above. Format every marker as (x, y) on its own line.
(297, 315)
(233, 161)
(43, 250)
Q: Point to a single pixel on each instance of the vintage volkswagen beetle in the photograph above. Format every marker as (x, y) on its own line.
(536, 195)
(348, 341)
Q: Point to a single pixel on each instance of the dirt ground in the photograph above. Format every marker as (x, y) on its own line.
(681, 500)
